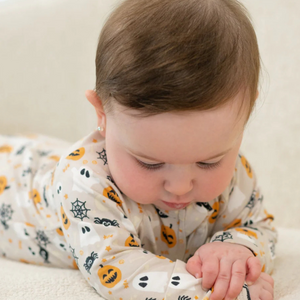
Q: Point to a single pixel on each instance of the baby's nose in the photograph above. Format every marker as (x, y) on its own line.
(178, 186)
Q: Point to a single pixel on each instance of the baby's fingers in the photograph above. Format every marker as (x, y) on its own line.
(266, 295)
(268, 282)
(210, 271)
(238, 274)
(263, 288)
(223, 280)
(254, 270)
(194, 266)
(267, 277)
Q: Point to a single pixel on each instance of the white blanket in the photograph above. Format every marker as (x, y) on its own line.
(21, 281)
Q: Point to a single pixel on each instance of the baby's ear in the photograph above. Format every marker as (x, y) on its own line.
(95, 100)
(257, 94)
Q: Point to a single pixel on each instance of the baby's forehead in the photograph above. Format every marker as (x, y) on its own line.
(236, 108)
(179, 137)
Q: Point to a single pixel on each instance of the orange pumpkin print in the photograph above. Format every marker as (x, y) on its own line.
(131, 242)
(77, 154)
(110, 193)
(59, 231)
(35, 196)
(65, 219)
(247, 166)
(234, 223)
(168, 236)
(268, 216)
(161, 257)
(247, 232)
(75, 265)
(54, 157)
(3, 184)
(109, 276)
(5, 149)
(214, 215)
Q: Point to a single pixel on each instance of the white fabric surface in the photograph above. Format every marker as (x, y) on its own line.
(27, 282)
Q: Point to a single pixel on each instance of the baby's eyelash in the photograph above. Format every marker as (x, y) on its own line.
(207, 166)
(149, 166)
(153, 167)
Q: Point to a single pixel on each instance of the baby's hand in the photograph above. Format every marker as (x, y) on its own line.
(263, 288)
(226, 267)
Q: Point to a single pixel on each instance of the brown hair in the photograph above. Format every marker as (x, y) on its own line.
(160, 56)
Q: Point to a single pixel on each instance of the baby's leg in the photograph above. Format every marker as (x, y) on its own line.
(21, 239)
(29, 227)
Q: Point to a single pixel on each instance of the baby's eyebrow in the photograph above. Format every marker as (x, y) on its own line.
(154, 159)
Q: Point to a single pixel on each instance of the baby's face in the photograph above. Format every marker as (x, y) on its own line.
(170, 159)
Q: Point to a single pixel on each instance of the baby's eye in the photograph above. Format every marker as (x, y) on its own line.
(208, 166)
(149, 166)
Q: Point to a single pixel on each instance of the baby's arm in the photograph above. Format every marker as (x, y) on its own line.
(244, 247)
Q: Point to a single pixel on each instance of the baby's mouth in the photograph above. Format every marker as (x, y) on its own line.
(175, 205)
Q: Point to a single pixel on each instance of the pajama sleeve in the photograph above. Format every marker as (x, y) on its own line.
(102, 235)
(242, 218)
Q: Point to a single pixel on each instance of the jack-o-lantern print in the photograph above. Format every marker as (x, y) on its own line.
(3, 184)
(168, 236)
(65, 219)
(131, 242)
(35, 196)
(110, 193)
(77, 154)
(109, 275)
(214, 215)
(247, 166)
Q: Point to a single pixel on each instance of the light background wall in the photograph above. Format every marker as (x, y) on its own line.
(47, 51)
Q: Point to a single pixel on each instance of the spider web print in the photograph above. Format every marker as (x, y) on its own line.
(42, 238)
(102, 155)
(5, 214)
(79, 210)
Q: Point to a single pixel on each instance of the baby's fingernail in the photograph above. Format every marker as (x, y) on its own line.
(249, 283)
(197, 275)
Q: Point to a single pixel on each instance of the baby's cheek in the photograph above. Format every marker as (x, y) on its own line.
(133, 183)
(216, 183)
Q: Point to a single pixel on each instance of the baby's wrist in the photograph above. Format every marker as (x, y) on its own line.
(242, 245)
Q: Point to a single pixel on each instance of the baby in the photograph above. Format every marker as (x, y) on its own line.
(157, 203)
